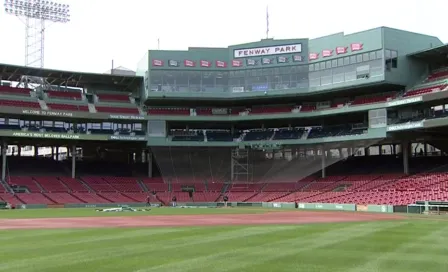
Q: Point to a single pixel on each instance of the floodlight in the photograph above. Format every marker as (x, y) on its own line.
(36, 13)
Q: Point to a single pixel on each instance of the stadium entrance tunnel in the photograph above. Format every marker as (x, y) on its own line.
(252, 164)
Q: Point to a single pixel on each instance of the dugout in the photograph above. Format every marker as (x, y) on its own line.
(428, 207)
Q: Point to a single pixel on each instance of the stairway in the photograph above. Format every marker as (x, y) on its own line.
(141, 111)
(86, 185)
(42, 190)
(142, 185)
(43, 104)
(82, 201)
(6, 186)
(65, 185)
(92, 108)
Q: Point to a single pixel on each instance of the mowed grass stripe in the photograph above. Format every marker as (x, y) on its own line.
(398, 258)
(385, 246)
(266, 257)
(123, 246)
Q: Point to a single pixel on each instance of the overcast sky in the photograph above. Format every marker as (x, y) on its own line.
(102, 30)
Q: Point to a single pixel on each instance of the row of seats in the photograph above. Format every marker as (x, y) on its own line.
(267, 109)
(77, 95)
(67, 94)
(425, 90)
(71, 95)
(438, 74)
(111, 197)
(14, 91)
(270, 134)
(68, 107)
(51, 184)
(394, 189)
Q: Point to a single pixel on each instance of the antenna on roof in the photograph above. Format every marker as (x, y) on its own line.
(158, 43)
(112, 70)
(267, 22)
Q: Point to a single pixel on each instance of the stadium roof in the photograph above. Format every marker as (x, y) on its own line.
(432, 53)
(74, 79)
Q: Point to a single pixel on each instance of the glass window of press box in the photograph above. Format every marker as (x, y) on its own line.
(346, 69)
(317, 74)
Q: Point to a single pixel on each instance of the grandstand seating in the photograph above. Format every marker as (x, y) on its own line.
(346, 183)
(118, 110)
(51, 184)
(108, 97)
(193, 136)
(333, 131)
(28, 182)
(425, 90)
(70, 95)
(31, 198)
(221, 136)
(271, 109)
(258, 135)
(14, 91)
(169, 111)
(67, 107)
(63, 198)
(438, 74)
(98, 184)
(361, 100)
(20, 103)
(91, 198)
(288, 134)
(306, 108)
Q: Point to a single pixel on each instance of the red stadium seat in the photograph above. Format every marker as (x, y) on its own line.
(104, 97)
(71, 95)
(117, 110)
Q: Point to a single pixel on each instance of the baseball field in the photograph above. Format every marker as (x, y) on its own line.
(226, 239)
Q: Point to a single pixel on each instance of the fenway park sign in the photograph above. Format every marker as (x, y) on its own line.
(267, 51)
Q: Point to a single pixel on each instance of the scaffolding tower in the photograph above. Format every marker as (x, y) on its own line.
(240, 165)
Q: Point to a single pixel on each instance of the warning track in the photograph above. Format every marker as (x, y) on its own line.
(302, 217)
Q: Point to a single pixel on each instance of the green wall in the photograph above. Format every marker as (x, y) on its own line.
(194, 54)
(371, 40)
(406, 43)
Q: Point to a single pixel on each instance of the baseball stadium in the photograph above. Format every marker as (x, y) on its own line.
(325, 154)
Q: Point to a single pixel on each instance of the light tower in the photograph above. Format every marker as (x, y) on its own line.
(35, 14)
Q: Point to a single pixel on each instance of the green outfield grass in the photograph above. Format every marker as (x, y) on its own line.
(407, 245)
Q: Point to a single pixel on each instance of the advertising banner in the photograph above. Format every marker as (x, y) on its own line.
(69, 114)
(260, 87)
(221, 64)
(237, 63)
(157, 63)
(238, 90)
(297, 58)
(405, 126)
(205, 63)
(173, 63)
(327, 53)
(69, 136)
(189, 63)
(341, 50)
(282, 59)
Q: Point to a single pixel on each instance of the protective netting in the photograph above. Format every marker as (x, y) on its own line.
(224, 164)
